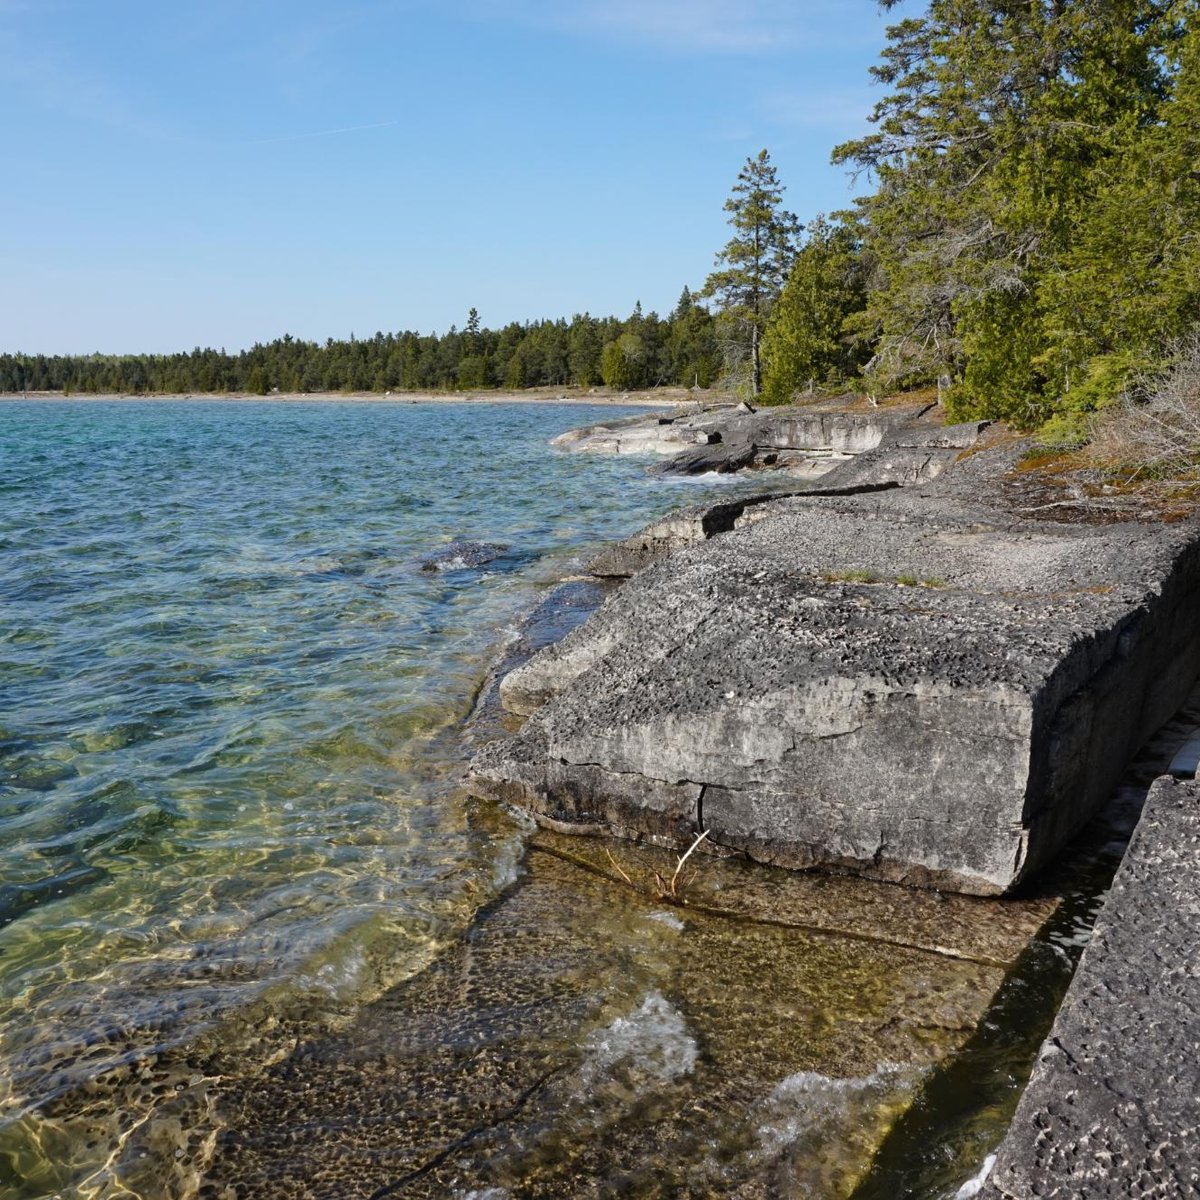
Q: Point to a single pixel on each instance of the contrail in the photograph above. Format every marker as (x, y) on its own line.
(300, 137)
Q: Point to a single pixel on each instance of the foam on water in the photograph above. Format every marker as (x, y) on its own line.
(807, 1103)
(652, 1044)
(974, 1185)
(670, 920)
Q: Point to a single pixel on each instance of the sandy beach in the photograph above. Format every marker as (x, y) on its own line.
(663, 397)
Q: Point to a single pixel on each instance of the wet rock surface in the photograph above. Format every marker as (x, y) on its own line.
(916, 685)
(763, 1034)
(462, 556)
(582, 1038)
(721, 458)
(1113, 1108)
(964, 927)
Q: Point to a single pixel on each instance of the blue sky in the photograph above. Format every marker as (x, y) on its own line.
(220, 172)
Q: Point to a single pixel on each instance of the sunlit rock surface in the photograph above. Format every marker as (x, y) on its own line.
(843, 435)
(919, 685)
(1113, 1108)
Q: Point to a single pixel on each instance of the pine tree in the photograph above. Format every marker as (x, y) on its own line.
(806, 343)
(623, 362)
(583, 352)
(1011, 249)
(756, 259)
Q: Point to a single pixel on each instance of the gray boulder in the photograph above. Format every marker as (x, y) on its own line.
(909, 684)
(719, 458)
(649, 433)
(462, 556)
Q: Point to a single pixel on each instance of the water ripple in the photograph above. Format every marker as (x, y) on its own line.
(223, 670)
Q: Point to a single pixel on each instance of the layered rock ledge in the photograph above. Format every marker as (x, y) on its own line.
(920, 684)
(898, 443)
(1113, 1107)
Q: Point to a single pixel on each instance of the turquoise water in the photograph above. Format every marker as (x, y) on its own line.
(227, 684)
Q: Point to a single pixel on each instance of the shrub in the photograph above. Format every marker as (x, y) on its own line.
(1156, 427)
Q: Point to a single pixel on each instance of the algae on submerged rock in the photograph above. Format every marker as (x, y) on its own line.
(581, 1039)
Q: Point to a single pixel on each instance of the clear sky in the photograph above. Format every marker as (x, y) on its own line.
(221, 172)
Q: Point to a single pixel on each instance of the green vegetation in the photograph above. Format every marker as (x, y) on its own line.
(1032, 245)
(639, 352)
(1030, 249)
(906, 579)
(808, 343)
(754, 264)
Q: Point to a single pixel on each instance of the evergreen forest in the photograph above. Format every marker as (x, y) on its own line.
(1027, 243)
(641, 351)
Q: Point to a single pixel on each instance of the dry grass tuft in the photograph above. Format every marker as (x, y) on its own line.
(1155, 432)
(674, 889)
(849, 577)
(667, 888)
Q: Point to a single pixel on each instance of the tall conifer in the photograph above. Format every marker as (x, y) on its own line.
(755, 262)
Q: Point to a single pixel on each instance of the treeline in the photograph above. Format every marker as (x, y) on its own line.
(640, 351)
(1032, 245)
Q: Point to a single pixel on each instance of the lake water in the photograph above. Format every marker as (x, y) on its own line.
(256, 942)
(223, 673)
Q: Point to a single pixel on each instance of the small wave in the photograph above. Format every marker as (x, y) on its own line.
(974, 1185)
(809, 1103)
(18, 898)
(652, 1043)
(340, 979)
(670, 920)
(508, 863)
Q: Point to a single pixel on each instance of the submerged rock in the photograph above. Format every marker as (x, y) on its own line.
(462, 556)
(572, 1042)
(916, 686)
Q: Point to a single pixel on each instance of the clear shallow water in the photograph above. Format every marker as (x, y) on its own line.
(223, 802)
(254, 943)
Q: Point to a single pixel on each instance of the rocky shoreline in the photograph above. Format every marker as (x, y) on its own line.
(1112, 1108)
(822, 679)
(905, 671)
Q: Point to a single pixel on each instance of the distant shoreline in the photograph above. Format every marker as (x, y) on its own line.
(653, 398)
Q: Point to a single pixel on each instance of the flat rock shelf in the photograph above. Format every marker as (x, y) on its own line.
(922, 684)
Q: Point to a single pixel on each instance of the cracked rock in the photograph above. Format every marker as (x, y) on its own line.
(915, 685)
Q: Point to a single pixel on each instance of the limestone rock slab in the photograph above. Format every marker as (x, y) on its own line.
(1113, 1108)
(915, 688)
(808, 439)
